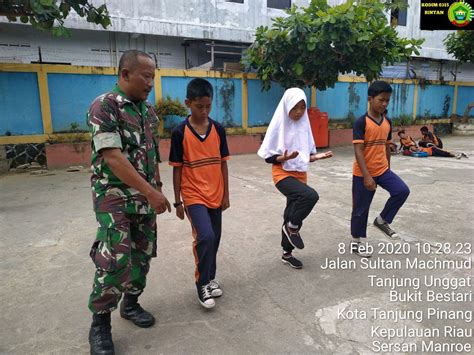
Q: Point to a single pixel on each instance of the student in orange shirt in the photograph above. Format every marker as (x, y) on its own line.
(289, 147)
(372, 135)
(200, 179)
(429, 139)
(407, 143)
(432, 144)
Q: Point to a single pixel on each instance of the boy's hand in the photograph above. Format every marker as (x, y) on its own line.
(369, 183)
(319, 156)
(286, 156)
(158, 201)
(180, 211)
(225, 203)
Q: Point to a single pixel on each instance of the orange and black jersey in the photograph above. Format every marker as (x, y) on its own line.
(374, 136)
(407, 143)
(201, 157)
(432, 138)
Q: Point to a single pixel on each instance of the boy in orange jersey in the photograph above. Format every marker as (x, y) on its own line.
(429, 139)
(372, 135)
(407, 143)
(200, 179)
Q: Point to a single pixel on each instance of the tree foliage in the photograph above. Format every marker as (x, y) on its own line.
(49, 15)
(461, 45)
(313, 45)
(169, 107)
(391, 5)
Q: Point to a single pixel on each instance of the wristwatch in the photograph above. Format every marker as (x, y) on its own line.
(159, 184)
(177, 204)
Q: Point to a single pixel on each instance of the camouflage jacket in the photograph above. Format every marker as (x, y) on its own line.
(117, 122)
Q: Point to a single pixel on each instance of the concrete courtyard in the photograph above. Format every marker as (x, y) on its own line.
(47, 227)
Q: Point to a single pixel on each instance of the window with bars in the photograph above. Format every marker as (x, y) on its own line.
(279, 4)
(399, 14)
(399, 17)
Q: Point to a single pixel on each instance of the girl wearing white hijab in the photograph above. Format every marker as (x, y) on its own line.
(289, 147)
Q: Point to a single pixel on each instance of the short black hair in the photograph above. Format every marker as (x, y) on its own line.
(199, 88)
(424, 128)
(400, 131)
(378, 87)
(130, 58)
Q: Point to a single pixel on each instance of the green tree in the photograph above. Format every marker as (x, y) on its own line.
(313, 45)
(395, 4)
(49, 15)
(169, 107)
(461, 45)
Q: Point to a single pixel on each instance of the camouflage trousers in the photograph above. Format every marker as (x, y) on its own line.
(121, 252)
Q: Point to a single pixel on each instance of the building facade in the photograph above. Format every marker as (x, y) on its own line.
(186, 34)
(178, 34)
(191, 38)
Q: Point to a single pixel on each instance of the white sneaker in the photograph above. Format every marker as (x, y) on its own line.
(205, 297)
(458, 156)
(216, 290)
(464, 155)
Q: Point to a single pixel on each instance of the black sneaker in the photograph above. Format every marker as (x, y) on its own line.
(292, 261)
(293, 237)
(205, 296)
(360, 249)
(385, 228)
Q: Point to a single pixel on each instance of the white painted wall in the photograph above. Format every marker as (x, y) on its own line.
(446, 70)
(156, 26)
(21, 44)
(204, 19)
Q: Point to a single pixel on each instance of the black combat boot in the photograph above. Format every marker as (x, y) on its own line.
(100, 335)
(130, 309)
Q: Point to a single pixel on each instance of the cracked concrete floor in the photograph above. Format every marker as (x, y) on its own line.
(47, 227)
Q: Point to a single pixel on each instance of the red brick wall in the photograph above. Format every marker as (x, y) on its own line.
(66, 154)
(338, 137)
(61, 155)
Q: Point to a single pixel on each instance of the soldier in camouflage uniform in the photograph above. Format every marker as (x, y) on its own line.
(126, 193)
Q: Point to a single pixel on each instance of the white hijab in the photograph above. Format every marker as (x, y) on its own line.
(283, 133)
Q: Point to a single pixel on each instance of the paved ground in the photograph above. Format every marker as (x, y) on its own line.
(47, 227)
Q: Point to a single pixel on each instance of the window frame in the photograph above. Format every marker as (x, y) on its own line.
(279, 8)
